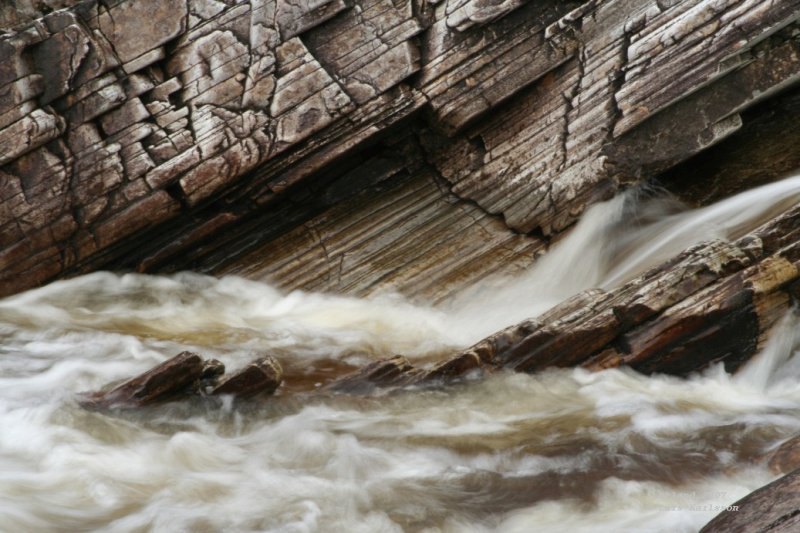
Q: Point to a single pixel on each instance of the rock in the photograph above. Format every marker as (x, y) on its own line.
(774, 508)
(185, 376)
(28, 133)
(713, 302)
(398, 372)
(262, 376)
(159, 384)
(61, 56)
(469, 131)
(211, 69)
(136, 27)
(212, 369)
(393, 372)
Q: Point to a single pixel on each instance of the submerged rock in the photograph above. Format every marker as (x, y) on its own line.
(212, 369)
(392, 372)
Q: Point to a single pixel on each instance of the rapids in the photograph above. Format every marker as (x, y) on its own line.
(561, 450)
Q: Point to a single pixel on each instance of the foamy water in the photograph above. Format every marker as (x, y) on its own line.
(562, 450)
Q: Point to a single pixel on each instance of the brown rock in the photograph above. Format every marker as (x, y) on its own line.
(20, 91)
(393, 372)
(547, 106)
(157, 385)
(136, 27)
(28, 133)
(296, 17)
(212, 369)
(104, 100)
(453, 368)
(211, 69)
(141, 214)
(128, 114)
(262, 376)
(712, 302)
(60, 57)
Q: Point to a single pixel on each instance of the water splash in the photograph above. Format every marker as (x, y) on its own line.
(614, 242)
(608, 451)
(778, 364)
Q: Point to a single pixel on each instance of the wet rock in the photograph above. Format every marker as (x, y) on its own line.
(262, 376)
(714, 302)
(393, 372)
(159, 384)
(212, 369)
(397, 371)
(774, 508)
(453, 368)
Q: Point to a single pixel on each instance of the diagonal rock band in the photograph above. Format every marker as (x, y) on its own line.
(155, 136)
(715, 302)
(415, 145)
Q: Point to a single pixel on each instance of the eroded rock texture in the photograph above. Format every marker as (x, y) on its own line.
(352, 145)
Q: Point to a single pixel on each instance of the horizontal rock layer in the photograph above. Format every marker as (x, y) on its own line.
(355, 145)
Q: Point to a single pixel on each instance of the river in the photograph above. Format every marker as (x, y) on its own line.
(563, 450)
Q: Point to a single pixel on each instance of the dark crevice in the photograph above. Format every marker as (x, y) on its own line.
(176, 193)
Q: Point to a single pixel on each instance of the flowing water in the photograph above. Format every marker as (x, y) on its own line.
(561, 450)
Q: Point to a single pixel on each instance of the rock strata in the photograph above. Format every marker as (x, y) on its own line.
(206, 135)
(715, 302)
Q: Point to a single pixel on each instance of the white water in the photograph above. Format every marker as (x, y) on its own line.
(562, 450)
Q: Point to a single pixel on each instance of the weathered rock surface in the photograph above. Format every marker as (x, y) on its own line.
(17, 12)
(286, 140)
(774, 508)
(392, 372)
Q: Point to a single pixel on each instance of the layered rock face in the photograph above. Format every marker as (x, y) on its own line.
(355, 145)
